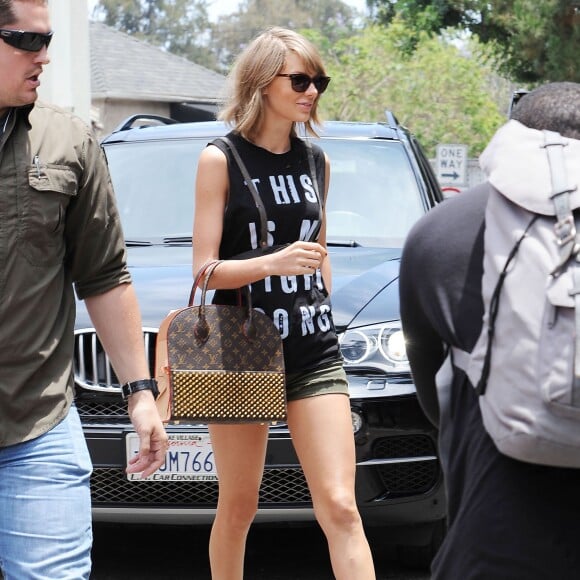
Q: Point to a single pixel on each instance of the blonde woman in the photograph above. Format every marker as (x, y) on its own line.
(275, 85)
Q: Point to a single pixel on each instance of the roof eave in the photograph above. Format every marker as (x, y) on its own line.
(152, 97)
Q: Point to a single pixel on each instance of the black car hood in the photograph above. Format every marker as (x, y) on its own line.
(365, 287)
(364, 283)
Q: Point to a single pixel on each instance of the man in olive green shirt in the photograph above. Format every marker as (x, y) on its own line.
(59, 227)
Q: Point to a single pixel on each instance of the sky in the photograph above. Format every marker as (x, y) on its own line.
(220, 7)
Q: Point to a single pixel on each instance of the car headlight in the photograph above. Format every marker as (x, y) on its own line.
(381, 346)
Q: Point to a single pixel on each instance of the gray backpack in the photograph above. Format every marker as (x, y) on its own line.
(525, 365)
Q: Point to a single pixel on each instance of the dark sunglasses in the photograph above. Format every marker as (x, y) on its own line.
(301, 82)
(22, 40)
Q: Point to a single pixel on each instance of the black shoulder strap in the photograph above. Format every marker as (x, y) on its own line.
(315, 185)
(252, 187)
(313, 173)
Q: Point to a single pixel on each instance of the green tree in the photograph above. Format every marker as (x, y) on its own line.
(532, 41)
(439, 91)
(179, 26)
(331, 19)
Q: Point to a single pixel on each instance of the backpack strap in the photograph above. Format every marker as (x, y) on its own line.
(455, 358)
(460, 358)
(566, 236)
(564, 228)
(575, 292)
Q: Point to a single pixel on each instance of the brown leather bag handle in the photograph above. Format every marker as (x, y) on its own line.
(201, 327)
(197, 278)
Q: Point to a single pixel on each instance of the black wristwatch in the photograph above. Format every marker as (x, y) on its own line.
(142, 385)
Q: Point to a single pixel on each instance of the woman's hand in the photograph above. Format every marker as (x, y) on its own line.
(297, 259)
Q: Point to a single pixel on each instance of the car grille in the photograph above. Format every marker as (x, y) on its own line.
(409, 477)
(111, 486)
(92, 367)
(98, 412)
(280, 486)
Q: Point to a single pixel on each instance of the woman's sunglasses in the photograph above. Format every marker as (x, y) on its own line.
(301, 82)
(22, 40)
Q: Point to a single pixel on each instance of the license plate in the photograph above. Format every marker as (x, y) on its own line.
(189, 458)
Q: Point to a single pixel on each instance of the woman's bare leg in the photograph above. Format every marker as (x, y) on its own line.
(322, 434)
(239, 453)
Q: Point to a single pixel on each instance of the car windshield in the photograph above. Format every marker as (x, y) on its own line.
(373, 199)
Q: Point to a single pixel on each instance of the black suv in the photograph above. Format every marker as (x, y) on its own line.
(381, 183)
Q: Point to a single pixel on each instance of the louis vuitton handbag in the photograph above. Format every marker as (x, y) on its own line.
(220, 363)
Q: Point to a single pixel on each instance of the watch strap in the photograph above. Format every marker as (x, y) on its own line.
(141, 385)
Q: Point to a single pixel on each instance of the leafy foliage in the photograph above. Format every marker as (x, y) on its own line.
(531, 41)
(440, 92)
(333, 19)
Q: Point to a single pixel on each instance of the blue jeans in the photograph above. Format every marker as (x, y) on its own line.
(45, 505)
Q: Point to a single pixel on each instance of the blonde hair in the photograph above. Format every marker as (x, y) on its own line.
(255, 68)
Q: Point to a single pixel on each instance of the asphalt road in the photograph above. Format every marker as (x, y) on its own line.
(180, 552)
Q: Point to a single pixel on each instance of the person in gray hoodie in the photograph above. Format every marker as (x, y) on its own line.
(506, 518)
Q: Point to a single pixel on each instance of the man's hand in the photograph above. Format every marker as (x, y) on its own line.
(153, 441)
(117, 320)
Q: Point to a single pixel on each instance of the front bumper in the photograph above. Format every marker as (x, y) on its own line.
(398, 479)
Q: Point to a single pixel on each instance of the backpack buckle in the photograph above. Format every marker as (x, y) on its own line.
(565, 230)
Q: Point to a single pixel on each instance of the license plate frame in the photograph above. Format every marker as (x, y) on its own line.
(189, 458)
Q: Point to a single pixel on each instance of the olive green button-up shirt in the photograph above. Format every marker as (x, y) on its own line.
(59, 227)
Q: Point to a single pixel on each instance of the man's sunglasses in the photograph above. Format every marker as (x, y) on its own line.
(301, 82)
(22, 40)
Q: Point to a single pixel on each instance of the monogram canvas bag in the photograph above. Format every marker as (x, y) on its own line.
(220, 363)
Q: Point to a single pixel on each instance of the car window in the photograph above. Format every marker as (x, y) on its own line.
(154, 185)
(373, 199)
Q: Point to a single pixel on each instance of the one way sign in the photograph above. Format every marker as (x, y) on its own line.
(451, 164)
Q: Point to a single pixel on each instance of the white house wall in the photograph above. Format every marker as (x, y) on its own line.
(66, 80)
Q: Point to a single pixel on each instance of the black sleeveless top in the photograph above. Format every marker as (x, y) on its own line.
(299, 305)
